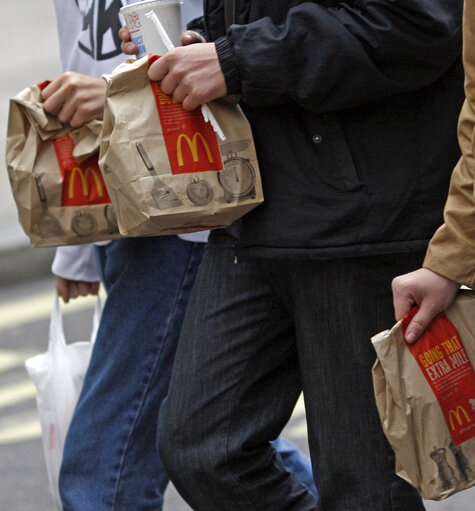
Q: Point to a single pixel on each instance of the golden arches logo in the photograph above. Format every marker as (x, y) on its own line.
(457, 414)
(83, 175)
(193, 145)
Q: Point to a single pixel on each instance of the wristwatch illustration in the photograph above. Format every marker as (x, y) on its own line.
(238, 177)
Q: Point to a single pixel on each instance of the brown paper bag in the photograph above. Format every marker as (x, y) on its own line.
(165, 168)
(425, 394)
(56, 181)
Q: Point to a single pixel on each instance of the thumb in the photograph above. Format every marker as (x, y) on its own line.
(191, 37)
(419, 323)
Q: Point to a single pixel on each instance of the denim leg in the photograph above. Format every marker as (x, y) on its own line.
(338, 306)
(296, 462)
(111, 462)
(234, 385)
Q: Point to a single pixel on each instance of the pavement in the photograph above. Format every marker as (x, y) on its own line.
(30, 55)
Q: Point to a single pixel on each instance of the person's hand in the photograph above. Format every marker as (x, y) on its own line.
(67, 289)
(127, 46)
(432, 292)
(75, 98)
(130, 48)
(191, 74)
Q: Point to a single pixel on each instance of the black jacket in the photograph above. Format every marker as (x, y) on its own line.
(353, 107)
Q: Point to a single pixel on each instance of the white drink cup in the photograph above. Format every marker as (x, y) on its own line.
(142, 30)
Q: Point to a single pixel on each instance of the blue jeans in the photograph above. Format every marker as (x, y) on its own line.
(261, 330)
(110, 461)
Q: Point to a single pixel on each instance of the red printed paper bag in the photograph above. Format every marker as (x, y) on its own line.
(425, 394)
(166, 169)
(56, 181)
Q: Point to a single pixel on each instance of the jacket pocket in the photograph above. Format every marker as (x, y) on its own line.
(331, 145)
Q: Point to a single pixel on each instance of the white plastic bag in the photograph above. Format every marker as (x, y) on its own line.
(58, 375)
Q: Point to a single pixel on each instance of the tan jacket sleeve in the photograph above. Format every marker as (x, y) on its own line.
(451, 252)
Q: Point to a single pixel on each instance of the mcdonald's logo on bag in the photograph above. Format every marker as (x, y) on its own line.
(193, 147)
(193, 151)
(83, 183)
(191, 142)
(459, 414)
(84, 175)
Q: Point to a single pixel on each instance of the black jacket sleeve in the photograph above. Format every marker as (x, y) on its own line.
(329, 58)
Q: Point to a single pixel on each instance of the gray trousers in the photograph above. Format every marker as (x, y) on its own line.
(256, 332)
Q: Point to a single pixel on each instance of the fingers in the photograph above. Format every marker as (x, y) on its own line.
(62, 288)
(190, 102)
(68, 289)
(191, 74)
(420, 322)
(179, 94)
(158, 70)
(124, 33)
(75, 98)
(51, 88)
(94, 288)
(87, 288)
(73, 289)
(127, 46)
(403, 299)
(55, 95)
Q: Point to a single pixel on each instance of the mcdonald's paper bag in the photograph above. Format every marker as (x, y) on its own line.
(55, 177)
(425, 394)
(165, 168)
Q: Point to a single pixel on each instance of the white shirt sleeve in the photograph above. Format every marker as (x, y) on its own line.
(199, 236)
(76, 262)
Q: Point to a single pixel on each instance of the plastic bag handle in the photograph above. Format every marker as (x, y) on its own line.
(56, 331)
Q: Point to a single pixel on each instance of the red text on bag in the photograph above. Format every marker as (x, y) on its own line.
(443, 360)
